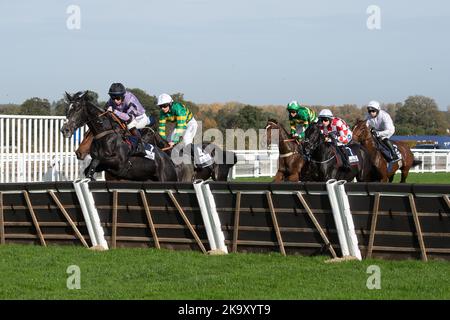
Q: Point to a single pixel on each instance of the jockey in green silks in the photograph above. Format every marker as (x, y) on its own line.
(300, 118)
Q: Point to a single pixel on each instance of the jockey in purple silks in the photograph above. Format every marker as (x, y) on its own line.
(127, 107)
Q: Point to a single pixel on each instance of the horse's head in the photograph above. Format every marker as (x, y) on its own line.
(360, 131)
(75, 114)
(151, 136)
(313, 138)
(272, 125)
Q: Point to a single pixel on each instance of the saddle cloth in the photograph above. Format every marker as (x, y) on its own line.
(385, 150)
(352, 158)
(200, 158)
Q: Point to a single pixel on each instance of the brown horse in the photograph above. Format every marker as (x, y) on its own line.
(85, 146)
(291, 163)
(361, 134)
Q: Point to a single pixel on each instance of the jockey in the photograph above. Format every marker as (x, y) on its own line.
(381, 125)
(300, 118)
(127, 107)
(186, 125)
(334, 128)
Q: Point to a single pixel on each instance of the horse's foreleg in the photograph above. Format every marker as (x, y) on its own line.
(90, 171)
(294, 177)
(279, 176)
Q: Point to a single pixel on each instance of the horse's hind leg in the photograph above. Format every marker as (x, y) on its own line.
(405, 172)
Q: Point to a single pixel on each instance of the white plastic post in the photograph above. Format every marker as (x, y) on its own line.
(95, 219)
(347, 219)
(214, 218)
(205, 215)
(337, 217)
(84, 209)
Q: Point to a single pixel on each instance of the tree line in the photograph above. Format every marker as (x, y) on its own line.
(417, 115)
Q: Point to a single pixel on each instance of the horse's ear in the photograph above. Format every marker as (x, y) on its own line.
(84, 94)
(68, 96)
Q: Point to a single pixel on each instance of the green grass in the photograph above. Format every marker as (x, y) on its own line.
(34, 272)
(439, 177)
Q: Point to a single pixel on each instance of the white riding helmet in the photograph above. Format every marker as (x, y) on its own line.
(326, 113)
(374, 105)
(164, 99)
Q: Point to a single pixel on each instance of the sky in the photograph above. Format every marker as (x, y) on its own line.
(252, 51)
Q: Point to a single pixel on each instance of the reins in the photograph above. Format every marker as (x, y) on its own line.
(283, 155)
(325, 161)
(115, 118)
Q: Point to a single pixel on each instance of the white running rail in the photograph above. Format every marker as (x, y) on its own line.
(32, 149)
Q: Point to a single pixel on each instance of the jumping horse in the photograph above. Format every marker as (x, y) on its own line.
(218, 171)
(110, 150)
(291, 163)
(326, 159)
(386, 171)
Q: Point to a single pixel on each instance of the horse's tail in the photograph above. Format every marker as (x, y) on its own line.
(416, 162)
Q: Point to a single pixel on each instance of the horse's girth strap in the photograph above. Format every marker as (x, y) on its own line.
(285, 155)
(104, 133)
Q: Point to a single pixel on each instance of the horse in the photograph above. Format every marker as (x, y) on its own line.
(218, 171)
(110, 150)
(291, 163)
(325, 158)
(386, 172)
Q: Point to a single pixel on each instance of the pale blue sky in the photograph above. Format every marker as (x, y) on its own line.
(252, 51)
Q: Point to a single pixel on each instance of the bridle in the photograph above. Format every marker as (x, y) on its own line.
(100, 115)
(308, 156)
(277, 126)
(162, 149)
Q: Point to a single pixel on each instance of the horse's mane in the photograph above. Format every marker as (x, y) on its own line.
(279, 124)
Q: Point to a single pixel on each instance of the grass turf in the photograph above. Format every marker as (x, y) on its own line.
(34, 272)
(433, 178)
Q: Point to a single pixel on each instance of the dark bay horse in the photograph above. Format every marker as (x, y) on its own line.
(324, 158)
(291, 163)
(218, 171)
(110, 150)
(361, 134)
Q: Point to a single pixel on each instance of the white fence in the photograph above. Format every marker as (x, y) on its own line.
(264, 163)
(32, 149)
(433, 160)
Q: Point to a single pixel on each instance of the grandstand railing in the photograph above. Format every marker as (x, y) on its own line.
(32, 149)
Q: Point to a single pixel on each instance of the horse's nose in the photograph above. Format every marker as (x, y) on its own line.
(66, 132)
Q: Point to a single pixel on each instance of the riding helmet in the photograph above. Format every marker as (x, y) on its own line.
(117, 89)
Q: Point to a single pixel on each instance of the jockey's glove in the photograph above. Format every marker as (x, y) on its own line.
(332, 135)
(110, 109)
(374, 132)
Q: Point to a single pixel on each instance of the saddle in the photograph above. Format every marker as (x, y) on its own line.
(385, 150)
(133, 141)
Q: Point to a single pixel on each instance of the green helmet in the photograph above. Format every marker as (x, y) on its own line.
(294, 105)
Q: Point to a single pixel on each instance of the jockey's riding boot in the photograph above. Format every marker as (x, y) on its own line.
(344, 157)
(139, 147)
(389, 144)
